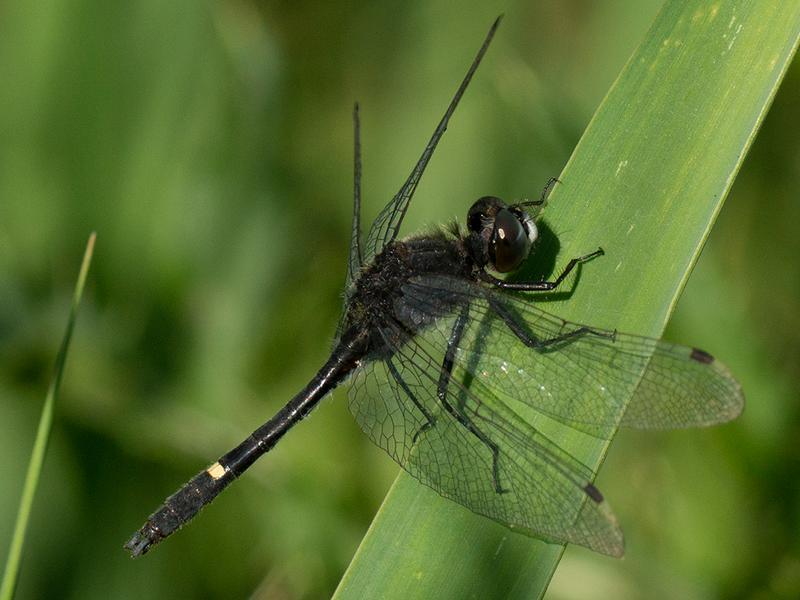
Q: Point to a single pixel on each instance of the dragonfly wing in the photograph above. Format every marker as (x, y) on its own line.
(355, 260)
(592, 379)
(544, 491)
(387, 224)
(683, 387)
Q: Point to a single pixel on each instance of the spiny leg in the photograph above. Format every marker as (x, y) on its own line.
(539, 286)
(551, 183)
(530, 340)
(430, 420)
(441, 392)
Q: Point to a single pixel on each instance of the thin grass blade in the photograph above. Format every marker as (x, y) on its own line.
(42, 437)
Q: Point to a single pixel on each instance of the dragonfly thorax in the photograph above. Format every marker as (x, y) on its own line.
(378, 293)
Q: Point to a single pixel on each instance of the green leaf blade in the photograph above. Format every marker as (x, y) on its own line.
(39, 451)
(645, 182)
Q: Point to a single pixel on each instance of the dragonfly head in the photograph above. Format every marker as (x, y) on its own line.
(500, 235)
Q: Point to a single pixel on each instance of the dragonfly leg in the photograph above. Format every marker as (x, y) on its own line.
(530, 340)
(551, 183)
(430, 420)
(463, 419)
(539, 286)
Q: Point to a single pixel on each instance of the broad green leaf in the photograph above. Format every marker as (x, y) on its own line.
(11, 572)
(645, 182)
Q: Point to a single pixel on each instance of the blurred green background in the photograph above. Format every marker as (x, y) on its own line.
(210, 146)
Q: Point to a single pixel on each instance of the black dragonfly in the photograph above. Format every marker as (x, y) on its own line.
(450, 366)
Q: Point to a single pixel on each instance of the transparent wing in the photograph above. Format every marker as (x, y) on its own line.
(545, 492)
(355, 260)
(590, 379)
(355, 257)
(387, 224)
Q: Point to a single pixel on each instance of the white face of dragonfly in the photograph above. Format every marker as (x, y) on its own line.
(508, 232)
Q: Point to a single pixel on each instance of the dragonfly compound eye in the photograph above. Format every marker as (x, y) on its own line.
(481, 216)
(511, 242)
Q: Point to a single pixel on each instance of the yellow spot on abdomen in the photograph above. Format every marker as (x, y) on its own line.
(216, 470)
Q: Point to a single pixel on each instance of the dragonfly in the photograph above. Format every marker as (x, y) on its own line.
(450, 365)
